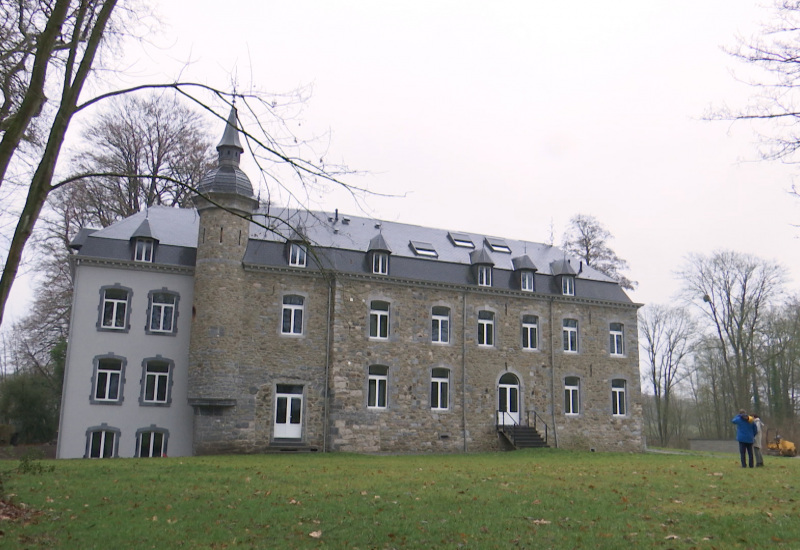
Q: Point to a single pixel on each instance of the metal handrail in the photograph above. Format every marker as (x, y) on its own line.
(536, 420)
(511, 433)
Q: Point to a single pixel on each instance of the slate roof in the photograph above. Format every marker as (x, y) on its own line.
(169, 226)
(332, 230)
(343, 242)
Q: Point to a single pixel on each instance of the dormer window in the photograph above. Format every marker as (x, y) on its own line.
(484, 275)
(143, 250)
(423, 249)
(297, 255)
(526, 281)
(498, 245)
(380, 263)
(568, 285)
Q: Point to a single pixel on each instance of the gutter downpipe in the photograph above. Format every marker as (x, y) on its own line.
(325, 426)
(464, 368)
(553, 374)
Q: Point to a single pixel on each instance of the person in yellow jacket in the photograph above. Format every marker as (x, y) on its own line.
(759, 426)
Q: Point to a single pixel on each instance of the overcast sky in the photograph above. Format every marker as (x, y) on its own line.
(506, 117)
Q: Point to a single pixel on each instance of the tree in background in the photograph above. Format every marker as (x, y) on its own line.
(159, 148)
(733, 292)
(707, 385)
(30, 402)
(53, 45)
(666, 335)
(779, 357)
(586, 238)
(775, 53)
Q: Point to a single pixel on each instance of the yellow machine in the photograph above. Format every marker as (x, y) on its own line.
(782, 447)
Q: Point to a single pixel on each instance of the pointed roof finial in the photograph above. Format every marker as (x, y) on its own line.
(227, 177)
(230, 138)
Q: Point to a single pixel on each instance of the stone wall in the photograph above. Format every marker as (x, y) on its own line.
(239, 357)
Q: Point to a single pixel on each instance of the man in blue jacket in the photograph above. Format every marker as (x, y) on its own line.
(745, 433)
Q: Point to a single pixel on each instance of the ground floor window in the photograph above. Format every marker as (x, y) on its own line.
(102, 442)
(151, 443)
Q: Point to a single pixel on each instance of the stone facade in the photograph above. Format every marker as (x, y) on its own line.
(333, 356)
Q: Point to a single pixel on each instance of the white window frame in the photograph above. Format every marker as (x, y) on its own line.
(109, 376)
(498, 245)
(297, 255)
(568, 285)
(379, 320)
(618, 397)
(616, 336)
(440, 325)
(143, 249)
(569, 335)
(530, 332)
(484, 275)
(440, 389)
(162, 312)
(156, 381)
(292, 312)
(572, 396)
(151, 443)
(378, 387)
(526, 281)
(461, 239)
(486, 329)
(110, 307)
(107, 444)
(424, 249)
(380, 263)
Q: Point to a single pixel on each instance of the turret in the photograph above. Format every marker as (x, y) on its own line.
(224, 203)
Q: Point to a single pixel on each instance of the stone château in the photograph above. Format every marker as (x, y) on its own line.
(235, 327)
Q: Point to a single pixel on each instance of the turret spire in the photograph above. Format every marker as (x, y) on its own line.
(228, 177)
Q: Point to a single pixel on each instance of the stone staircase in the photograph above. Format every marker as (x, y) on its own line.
(523, 437)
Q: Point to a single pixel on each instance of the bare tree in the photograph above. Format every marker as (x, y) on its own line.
(67, 34)
(56, 37)
(667, 337)
(775, 54)
(779, 357)
(734, 291)
(154, 135)
(587, 239)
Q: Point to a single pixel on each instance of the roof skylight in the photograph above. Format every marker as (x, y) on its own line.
(498, 245)
(461, 239)
(423, 249)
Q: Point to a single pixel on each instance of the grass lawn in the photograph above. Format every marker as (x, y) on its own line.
(524, 499)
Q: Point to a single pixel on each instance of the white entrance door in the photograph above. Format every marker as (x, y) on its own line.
(508, 400)
(288, 412)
